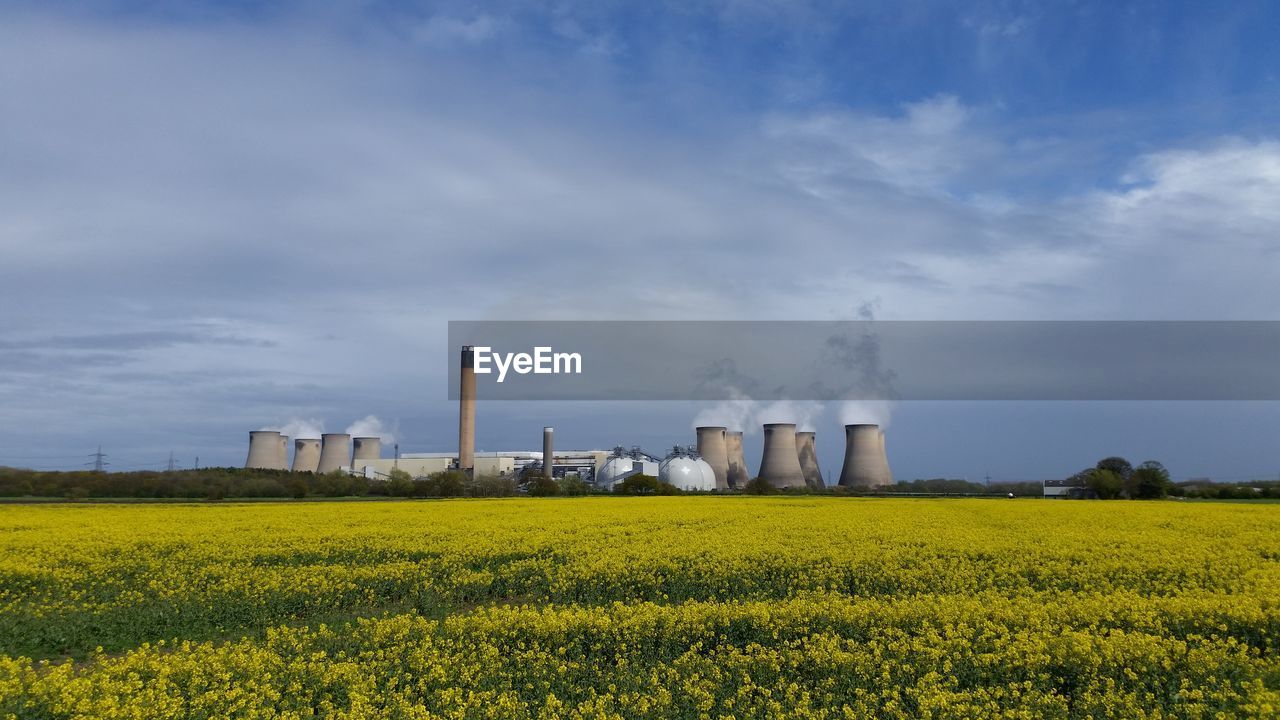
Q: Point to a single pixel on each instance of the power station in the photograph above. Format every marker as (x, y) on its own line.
(715, 463)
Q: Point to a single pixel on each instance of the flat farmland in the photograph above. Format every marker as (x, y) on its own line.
(679, 607)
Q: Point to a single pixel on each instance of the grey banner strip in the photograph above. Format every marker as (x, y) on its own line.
(870, 360)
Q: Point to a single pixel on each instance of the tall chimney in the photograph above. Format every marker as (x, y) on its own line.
(738, 474)
(367, 448)
(865, 466)
(712, 447)
(467, 412)
(780, 463)
(306, 454)
(548, 452)
(809, 460)
(335, 451)
(284, 452)
(264, 450)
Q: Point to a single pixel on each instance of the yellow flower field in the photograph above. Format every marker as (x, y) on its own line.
(694, 607)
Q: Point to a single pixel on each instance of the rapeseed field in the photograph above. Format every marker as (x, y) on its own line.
(693, 607)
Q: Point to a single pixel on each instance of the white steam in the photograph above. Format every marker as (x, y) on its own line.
(371, 426)
(875, 412)
(804, 413)
(736, 413)
(300, 428)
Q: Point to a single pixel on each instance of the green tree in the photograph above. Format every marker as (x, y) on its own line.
(1105, 483)
(1151, 480)
(1123, 470)
(641, 484)
(399, 483)
(541, 486)
(573, 485)
(760, 486)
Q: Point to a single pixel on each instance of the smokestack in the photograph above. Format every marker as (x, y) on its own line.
(306, 454)
(780, 463)
(264, 450)
(712, 447)
(548, 452)
(335, 451)
(809, 460)
(467, 412)
(367, 448)
(865, 466)
(284, 452)
(738, 474)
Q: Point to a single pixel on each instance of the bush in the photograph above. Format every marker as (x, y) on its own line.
(573, 485)
(760, 486)
(399, 483)
(541, 486)
(642, 484)
(1151, 481)
(491, 486)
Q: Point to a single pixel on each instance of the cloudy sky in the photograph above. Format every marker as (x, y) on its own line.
(217, 217)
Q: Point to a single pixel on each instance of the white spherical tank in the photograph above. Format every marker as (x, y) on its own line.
(688, 473)
(618, 468)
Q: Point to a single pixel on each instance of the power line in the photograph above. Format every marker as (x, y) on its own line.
(99, 460)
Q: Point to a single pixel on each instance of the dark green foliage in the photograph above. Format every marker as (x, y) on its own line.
(573, 485)
(491, 486)
(540, 485)
(642, 484)
(760, 486)
(1106, 484)
(1150, 481)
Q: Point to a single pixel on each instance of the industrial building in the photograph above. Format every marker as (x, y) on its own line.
(789, 458)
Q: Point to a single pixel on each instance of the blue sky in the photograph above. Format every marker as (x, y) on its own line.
(219, 217)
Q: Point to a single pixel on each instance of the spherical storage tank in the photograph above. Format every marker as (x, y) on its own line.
(621, 465)
(687, 471)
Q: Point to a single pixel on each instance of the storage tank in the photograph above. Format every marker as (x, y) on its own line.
(684, 469)
(335, 452)
(780, 463)
(622, 464)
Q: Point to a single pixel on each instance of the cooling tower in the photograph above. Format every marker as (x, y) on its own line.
(306, 454)
(865, 466)
(367, 448)
(548, 452)
(467, 412)
(264, 450)
(284, 452)
(809, 460)
(780, 463)
(335, 452)
(713, 449)
(884, 460)
(738, 474)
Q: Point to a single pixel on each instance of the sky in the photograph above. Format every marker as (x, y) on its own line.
(217, 217)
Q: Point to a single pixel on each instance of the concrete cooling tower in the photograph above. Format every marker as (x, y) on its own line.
(264, 450)
(780, 463)
(713, 449)
(865, 465)
(335, 452)
(738, 473)
(306, 454)
(284, 451)
(808, 453)
(367, 448)
(884, 460)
